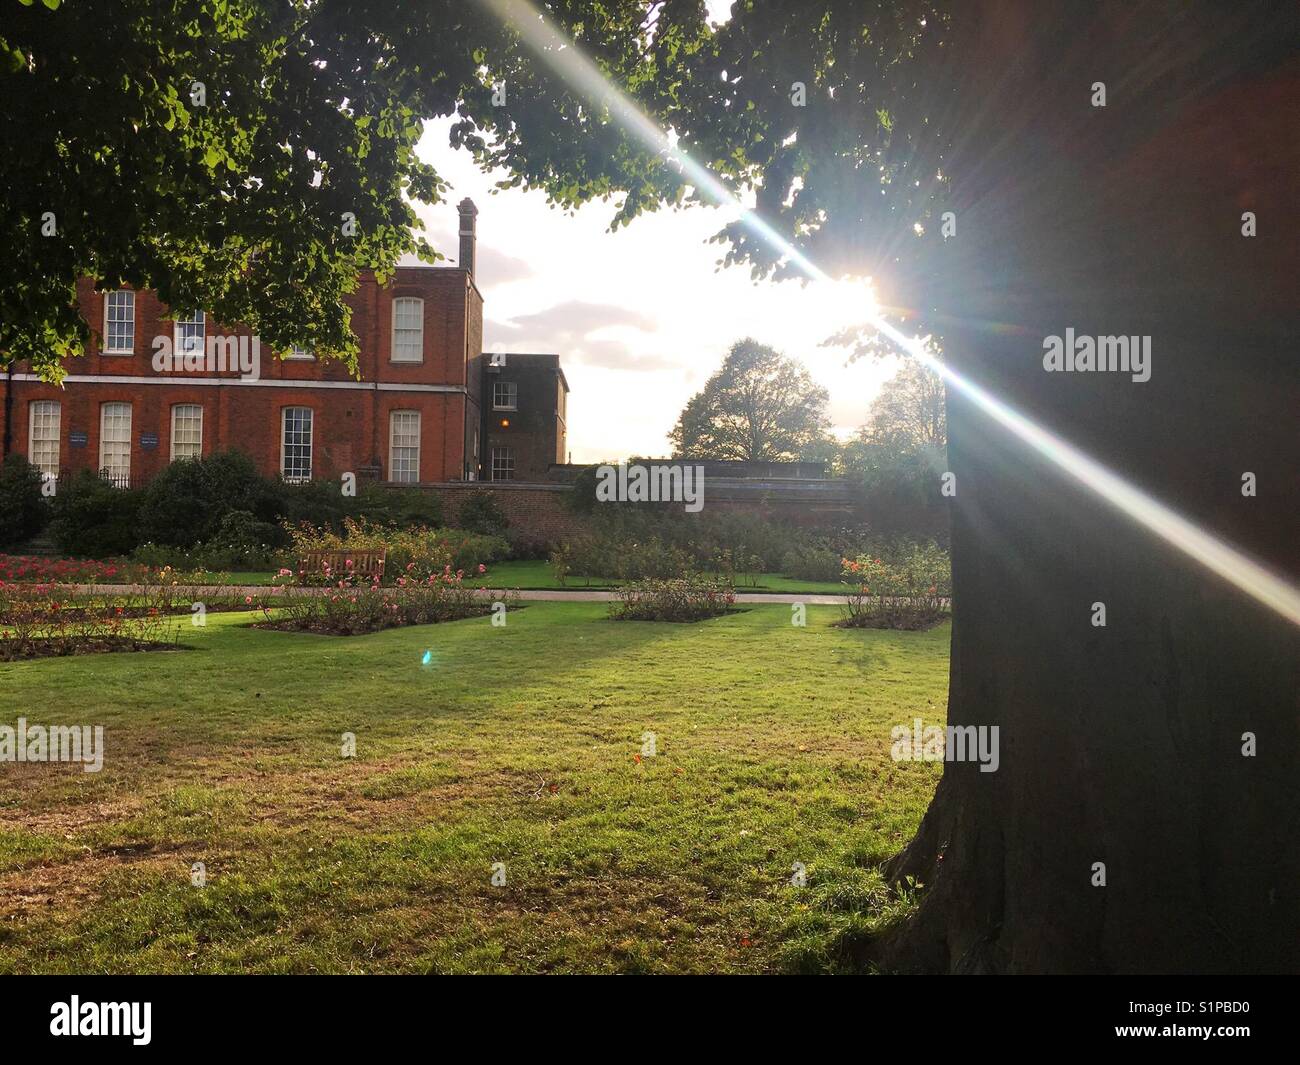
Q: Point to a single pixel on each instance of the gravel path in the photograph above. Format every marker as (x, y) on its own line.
(551, 595)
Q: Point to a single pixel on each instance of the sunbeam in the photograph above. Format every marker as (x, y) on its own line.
(563, 56)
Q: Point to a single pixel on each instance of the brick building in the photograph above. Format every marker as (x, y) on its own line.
(525, 398)
(415, 415)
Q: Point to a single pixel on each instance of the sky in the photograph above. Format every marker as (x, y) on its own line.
(640, 317)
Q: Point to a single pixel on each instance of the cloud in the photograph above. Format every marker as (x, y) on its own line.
(494, 267)
(582, 318)
(498, 268)
(570, 329)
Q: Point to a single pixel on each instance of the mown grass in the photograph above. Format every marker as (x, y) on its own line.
(516, 745)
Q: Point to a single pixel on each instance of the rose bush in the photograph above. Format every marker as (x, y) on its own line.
(351, 605)
(413, 554)
(38, 620)
(685, 599)
(912, 593)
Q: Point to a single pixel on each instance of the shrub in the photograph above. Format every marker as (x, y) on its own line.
(481, 513)
(652, 559)
(317, 503)
(36, 621)
(323, 504)
(91, 518)
(526, 545)
(469, 550)
(354, 606)
(23, 510)
(561, 563)
(188, 500)
(730, 565)
(631, 542)
(582, 499)
(912, 593)
(685, 599)
(398, 506)
(812, 562)
(412, 554)
(241, 542)
(626, 559)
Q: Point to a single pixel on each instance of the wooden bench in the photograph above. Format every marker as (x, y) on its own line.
(334, 564)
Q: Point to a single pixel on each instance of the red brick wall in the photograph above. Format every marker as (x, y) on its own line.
(350, 423)
(539, 511)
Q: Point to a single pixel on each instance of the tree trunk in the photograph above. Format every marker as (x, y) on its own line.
(1120, 744)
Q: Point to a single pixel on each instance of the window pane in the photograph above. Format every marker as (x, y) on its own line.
(404, 446)
(115, 443)
(408, 330)
(505, 395)
(189, 332)
(187, 431)
(503, 464)
(119, 321)
(43, 436)
(295, 463)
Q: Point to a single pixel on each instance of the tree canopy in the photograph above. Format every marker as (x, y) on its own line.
(909, 411)
(250, 157)
(758, 406)
(899, 452)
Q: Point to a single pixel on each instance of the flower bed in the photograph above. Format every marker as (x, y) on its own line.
(35, 569)
(38, 570)
(36, 621)
(683, 599)
(417, 553)
(353, 607)
(913, 593)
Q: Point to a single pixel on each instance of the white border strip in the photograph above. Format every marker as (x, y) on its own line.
(123, 379)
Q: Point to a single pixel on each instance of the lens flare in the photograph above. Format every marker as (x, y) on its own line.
(563, 56)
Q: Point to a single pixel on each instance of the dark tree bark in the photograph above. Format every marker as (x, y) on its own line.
(1120, 744)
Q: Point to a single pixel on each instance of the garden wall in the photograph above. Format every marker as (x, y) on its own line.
(540, 511)
(537, 511)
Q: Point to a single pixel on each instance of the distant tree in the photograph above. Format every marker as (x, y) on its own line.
(909, 412)
(758, 406)
(899, 452)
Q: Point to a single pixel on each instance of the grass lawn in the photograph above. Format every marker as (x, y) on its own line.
(515, 745)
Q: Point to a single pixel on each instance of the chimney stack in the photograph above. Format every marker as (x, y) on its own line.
(468, 225)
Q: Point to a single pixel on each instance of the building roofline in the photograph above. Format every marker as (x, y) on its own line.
(535, 355)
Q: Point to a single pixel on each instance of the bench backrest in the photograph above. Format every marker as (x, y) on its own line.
(366, 563)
